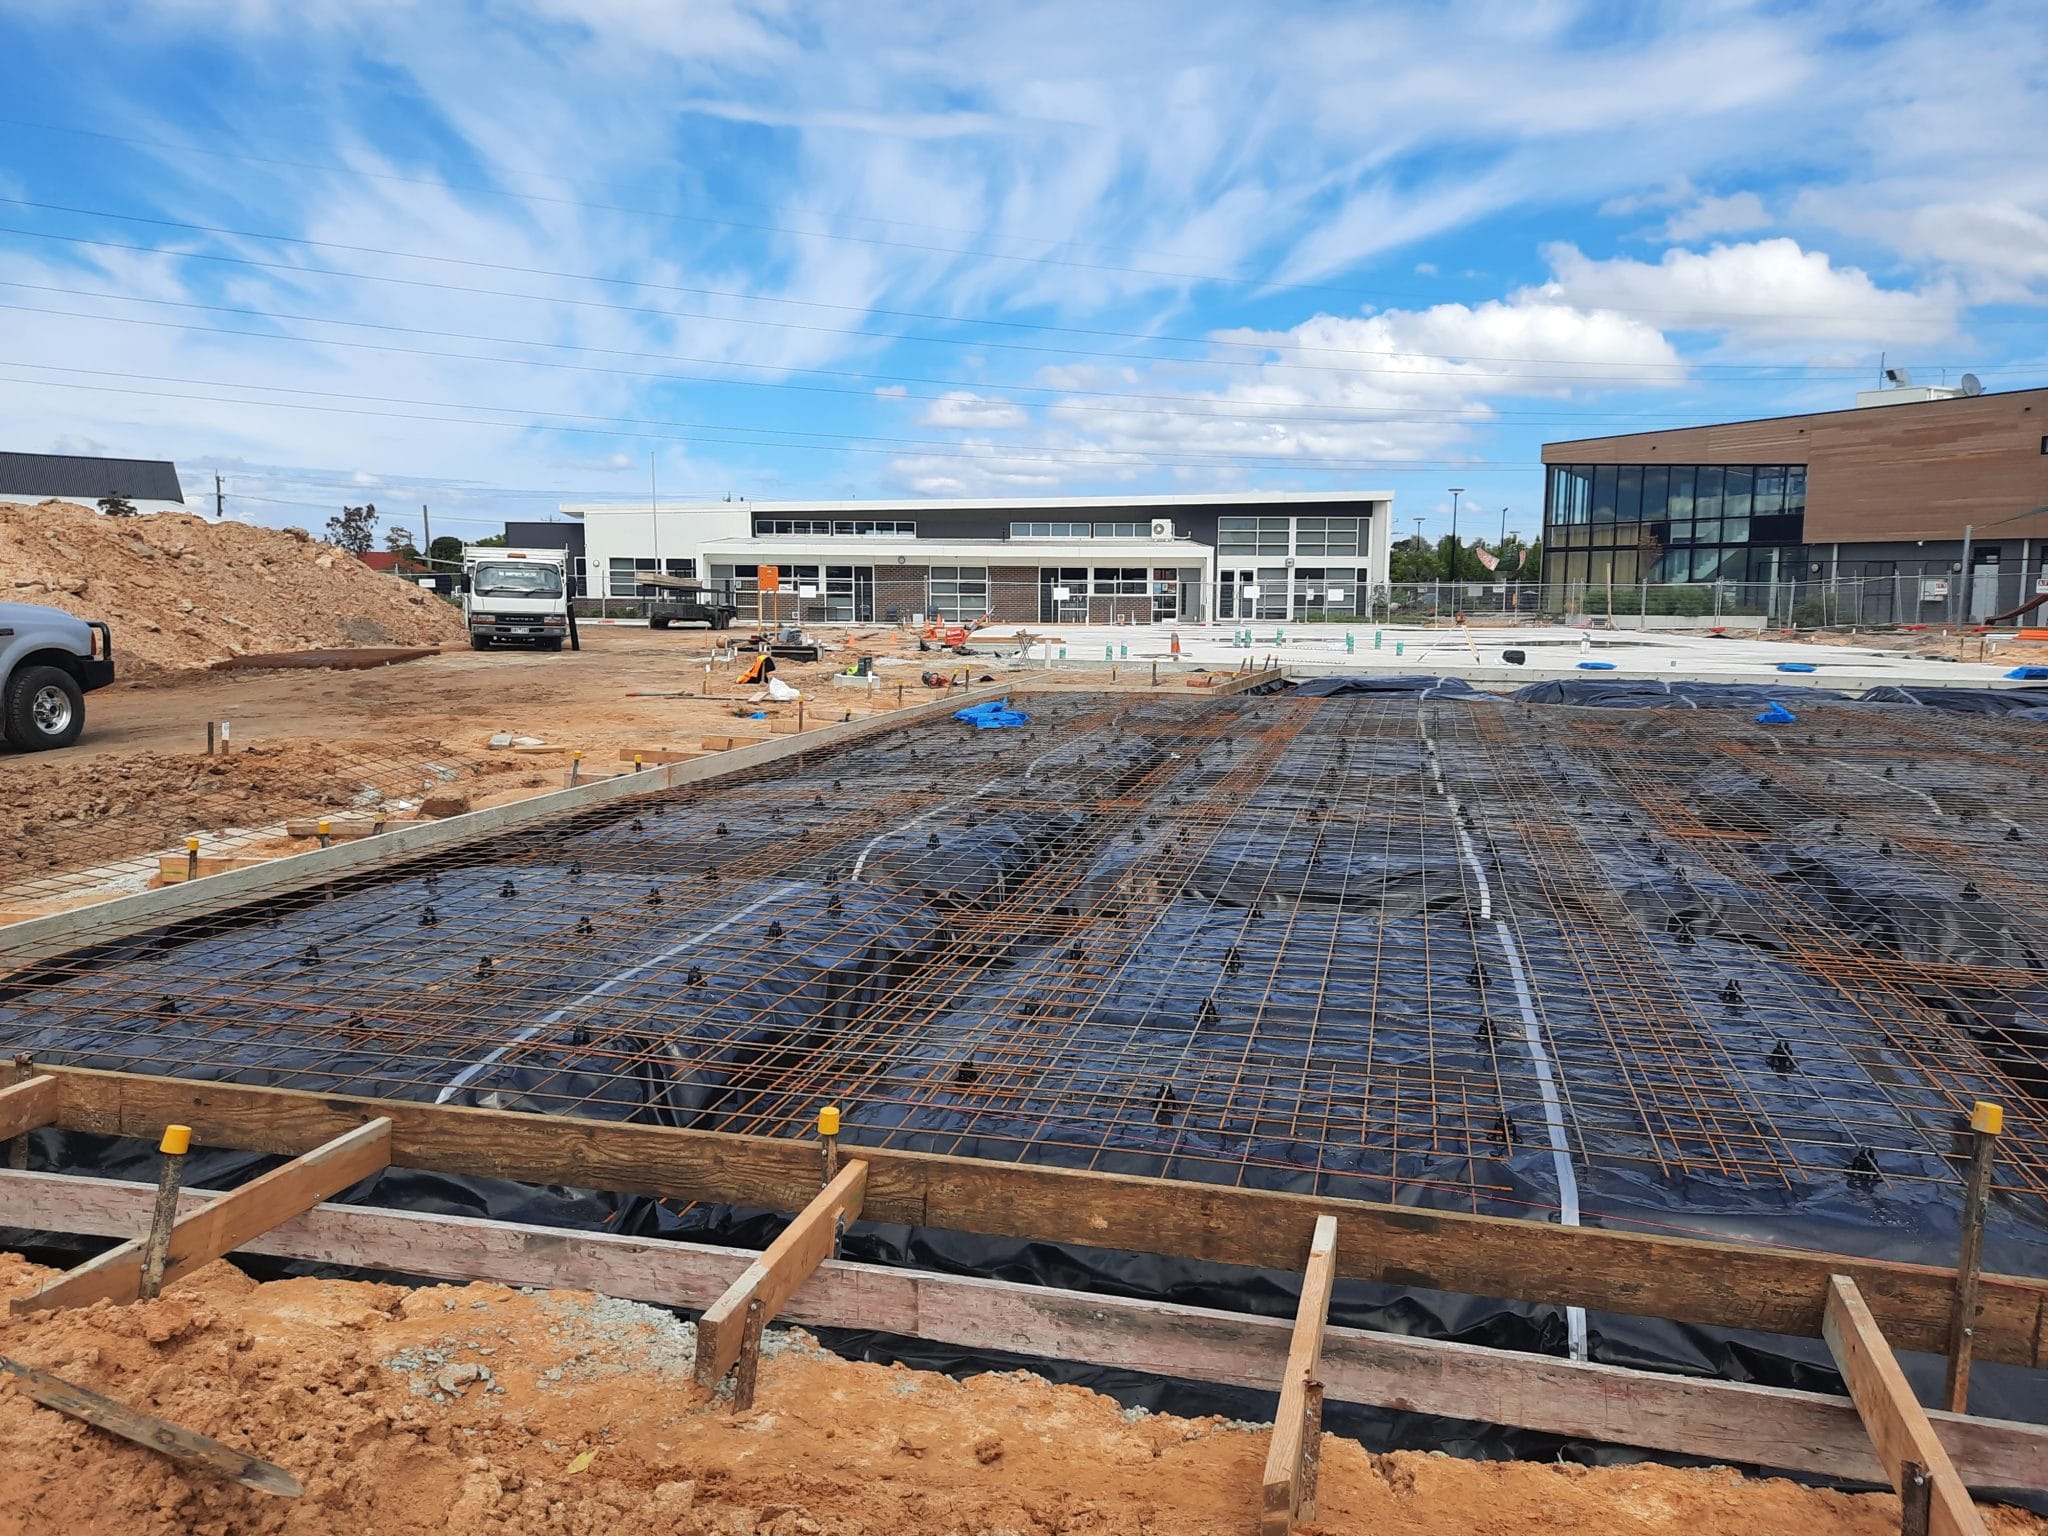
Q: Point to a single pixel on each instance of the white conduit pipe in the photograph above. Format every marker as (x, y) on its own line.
(1532, 1035)
(472, 1072)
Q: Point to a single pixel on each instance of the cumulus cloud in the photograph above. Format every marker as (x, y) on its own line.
(1764, 292)
(1368, 394)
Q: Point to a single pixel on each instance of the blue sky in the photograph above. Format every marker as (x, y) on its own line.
(486, 257)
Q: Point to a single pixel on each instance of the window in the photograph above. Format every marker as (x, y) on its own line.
(1317, 537)
(818, 528)
(1603, 493)
(1706, 501)
(1737, 481)
(1252, 535)
(1681, 503)
(1770, 491)
(1056, 530)
(1628, 493)
(1656, 492)
(623, 576)
(1123, 530)
(959, 592)
(1121, 581)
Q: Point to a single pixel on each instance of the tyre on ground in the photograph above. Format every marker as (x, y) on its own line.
(42, 707)
(657, 622)
(479, 642)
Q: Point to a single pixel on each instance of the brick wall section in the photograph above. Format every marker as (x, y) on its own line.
(1013, 593)
(901, 587)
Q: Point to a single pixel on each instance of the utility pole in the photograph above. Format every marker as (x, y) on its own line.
(426, 537)
(220, 503)
(1456, 492)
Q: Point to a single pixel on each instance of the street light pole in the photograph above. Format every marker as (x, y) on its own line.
(1501, 550)
(1456, 492)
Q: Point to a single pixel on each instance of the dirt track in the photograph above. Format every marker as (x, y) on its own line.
(465, 1410)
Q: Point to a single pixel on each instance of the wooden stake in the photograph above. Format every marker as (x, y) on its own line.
(748, 1374)
(1292, 1458)
(1986, 1121)
(146, 1429)
(156, 1251)
(1915, 1499)
(224, 1223)
(773, 1278)
(1896, 1423)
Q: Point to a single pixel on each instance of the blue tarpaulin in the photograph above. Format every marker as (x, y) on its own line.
(1777, 714)
(992, 716)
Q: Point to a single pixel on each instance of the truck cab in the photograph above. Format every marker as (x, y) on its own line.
(49, 662)
(520, 596)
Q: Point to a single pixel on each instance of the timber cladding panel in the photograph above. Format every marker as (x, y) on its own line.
(1882, 472)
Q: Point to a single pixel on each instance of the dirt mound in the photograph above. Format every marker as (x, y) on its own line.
(180, 591)
(474, 1409)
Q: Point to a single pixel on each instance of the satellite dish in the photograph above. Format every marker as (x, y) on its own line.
(1972, 385)
(1899, 376)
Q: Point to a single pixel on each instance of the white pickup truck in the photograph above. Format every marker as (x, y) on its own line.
(516, 595)
(49, 662)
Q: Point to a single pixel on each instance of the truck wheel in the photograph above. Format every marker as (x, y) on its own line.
(657, 623)
(44, 708)
(723, 621)
(479, 642)
(552, 643)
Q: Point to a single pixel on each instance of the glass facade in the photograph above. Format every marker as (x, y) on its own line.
(1658, 523)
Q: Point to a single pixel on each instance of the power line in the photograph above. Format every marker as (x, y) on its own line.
(1223, 408)
(924, 448)
(1735, 372)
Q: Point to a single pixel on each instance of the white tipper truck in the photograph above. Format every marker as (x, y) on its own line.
(520, 596)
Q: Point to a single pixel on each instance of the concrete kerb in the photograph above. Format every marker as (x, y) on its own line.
(40, 938)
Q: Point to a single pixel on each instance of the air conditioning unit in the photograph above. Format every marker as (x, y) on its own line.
(1162, 527)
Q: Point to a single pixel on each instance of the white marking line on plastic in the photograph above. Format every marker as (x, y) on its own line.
(1933, 804)
(1532, 1035)
(472, 1072)
(904, 826)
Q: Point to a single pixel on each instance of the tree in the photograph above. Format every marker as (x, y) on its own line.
(495, 541)
(1413, 560)
(399, 541)
(445, 552)
(117, 506)
(354, 529)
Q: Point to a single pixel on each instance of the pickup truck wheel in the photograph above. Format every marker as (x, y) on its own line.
(657, 622)
(44, 708)
(479, 642)
(552, 643)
